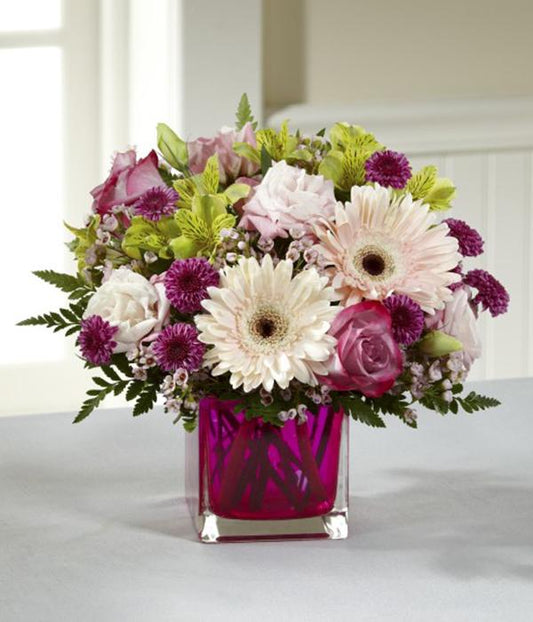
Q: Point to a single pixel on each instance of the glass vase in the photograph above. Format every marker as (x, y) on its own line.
(250, 480)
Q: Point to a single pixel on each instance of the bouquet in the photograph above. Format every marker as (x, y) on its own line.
(280, 271)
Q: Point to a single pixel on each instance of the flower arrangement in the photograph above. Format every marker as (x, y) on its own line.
(280, 271)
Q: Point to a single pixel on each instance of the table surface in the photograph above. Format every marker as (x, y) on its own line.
(94, 527)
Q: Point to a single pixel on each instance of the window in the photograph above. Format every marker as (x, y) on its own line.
(48, 160)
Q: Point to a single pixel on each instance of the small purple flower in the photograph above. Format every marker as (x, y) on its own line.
(470, 242)
(177, 347)
(407, 318)
(186, 283)
(156, 203)
(491, 294)
(388, 168)
(96, 340)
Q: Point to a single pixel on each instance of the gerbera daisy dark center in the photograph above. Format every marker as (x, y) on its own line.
(373, 261)
(267, 326)
(373, 264)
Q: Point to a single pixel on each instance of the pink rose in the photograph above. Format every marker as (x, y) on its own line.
(231, 164)
(367, 359)
(127, 181)
(288, 197)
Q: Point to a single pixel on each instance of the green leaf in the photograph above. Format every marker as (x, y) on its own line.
(474, 402)
(266, 160)
(100, 381)
(172, 147)
(110, 373)
(64, 282)
(89, 405)
(146, 400)
(67, 319)
(135, 387)
(244, 113)
(121, 362)
(359, 409)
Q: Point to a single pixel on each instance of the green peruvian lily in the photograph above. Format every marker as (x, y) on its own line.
(84, 240)
(145, 235)
(280, 145)
(351, 145)
(437, 192)
(201, 227)
(207, 183)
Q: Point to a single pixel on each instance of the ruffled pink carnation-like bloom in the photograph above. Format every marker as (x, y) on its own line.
(458, 320)
(288, 197)
(367, 358)
(127, 181)
(231, 164)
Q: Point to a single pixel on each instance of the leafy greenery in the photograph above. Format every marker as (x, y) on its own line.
(144, 392)
(68, 319)
(358, 408)
(146, 399)
(244, 113)
(96, 395)
(473, 402)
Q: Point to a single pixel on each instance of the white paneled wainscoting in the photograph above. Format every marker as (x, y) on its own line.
(486, 148)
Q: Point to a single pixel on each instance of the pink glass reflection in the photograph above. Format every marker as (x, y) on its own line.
(254, 470)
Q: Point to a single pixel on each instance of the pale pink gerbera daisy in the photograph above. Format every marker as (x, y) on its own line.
(376, 246)
(266, 326)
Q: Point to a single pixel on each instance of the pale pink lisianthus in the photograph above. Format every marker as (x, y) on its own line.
(127, 181)
(459, 320)
(366, 358)
(231, 165)
(288, 197)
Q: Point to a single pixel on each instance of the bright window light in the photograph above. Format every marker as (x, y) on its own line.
(31, 164)
(21, 15)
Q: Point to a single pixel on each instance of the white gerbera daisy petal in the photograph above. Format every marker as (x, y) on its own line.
(266, 327)
(378, 245)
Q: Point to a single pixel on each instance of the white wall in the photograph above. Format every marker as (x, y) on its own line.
(355, 50)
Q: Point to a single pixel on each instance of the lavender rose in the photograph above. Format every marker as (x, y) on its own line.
(367, 358)
(231, 164)
(127, 181)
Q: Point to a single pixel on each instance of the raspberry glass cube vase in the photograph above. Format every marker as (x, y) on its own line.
(250, 480)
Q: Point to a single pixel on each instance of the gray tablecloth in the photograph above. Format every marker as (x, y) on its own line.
(93, 526)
